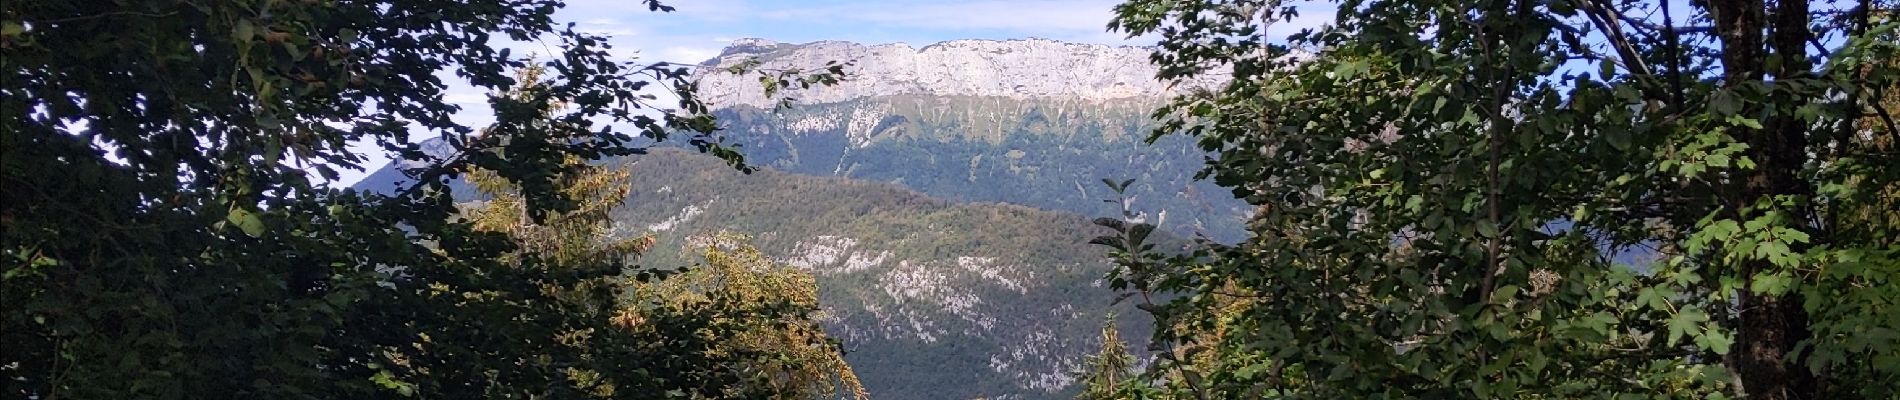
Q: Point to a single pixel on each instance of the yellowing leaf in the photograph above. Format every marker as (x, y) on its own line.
(246, 221)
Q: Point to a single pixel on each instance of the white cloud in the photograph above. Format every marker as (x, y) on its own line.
(685, 54)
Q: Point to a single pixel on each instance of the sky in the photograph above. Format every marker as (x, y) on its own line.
(698, 29)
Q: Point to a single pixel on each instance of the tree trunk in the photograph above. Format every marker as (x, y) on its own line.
(1770, 326)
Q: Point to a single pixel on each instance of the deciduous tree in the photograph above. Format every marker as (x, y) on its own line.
(164, 232)
(1539, 198)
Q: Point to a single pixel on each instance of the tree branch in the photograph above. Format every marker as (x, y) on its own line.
(1668, 26)
(1885, 116)
(1675, 59)
(1605, 19)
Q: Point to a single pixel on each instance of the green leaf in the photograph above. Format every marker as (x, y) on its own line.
(244, 31)
(1653, 298)
(1724, 103)
(1751, 123)
(1773, 284)
(1487, 230)
(1717, 160)
(1715, 340)
(1792, 235)
(1504, 294)
(1345, 71)
(1688, 321)
(1771, 250)
(1618, 137)
(246, 221)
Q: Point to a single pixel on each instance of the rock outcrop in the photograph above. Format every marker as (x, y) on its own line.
(1021, 69)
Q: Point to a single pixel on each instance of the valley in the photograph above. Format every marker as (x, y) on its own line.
(946, 218)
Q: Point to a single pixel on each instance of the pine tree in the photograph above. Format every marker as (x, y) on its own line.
(1109, 368)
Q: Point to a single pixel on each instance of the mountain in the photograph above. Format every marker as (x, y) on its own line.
(1019, 69)
(941, 196)
(1031, 122)
(932, 299)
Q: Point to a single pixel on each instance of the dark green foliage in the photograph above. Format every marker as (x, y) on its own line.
(1446, 189)
(161, 235)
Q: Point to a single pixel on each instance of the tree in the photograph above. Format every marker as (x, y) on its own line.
(1104, 373)
(776, 308)
(1525, 198)
(163, 235)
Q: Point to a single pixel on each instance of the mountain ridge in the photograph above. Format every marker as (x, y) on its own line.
(932, 298)
(947, 224)
(1015, 68)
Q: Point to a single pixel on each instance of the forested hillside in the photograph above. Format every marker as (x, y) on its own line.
(1031, 122)
(930, 298)
(1048, 153)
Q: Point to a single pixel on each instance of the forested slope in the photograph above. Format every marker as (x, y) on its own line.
(932, 298)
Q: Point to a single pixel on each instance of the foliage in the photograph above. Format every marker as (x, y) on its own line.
(787, 215)
(750, 318)
(1533, 198)
(164, 233)
(779, 307)
(1105, 372)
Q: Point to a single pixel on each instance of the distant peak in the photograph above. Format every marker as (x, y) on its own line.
(1016, 68)
(761, 45)
(749, 46)
(754, 42)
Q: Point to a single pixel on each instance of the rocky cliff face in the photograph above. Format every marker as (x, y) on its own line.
(1017, 69)
(942, 304)
(1031, 122)
(932, 299)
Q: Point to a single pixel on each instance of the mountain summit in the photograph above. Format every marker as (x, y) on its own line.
(1031, 122)
(1016, 69)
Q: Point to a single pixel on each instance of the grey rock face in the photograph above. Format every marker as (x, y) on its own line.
(1010, 68)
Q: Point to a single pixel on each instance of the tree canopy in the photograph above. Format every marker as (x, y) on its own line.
(1535, 199)
(167, 231)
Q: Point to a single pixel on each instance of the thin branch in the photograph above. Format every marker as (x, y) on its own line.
(1885, 116)
(1819, 47)
(1675, 59)
(1668, 26)
(1604, 17)
(1493, 248)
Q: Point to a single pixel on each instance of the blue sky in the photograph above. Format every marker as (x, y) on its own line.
(700, 28)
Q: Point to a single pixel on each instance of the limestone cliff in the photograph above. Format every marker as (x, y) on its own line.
(1018, 69)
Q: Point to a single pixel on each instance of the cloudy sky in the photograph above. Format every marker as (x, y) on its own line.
(698, 29)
